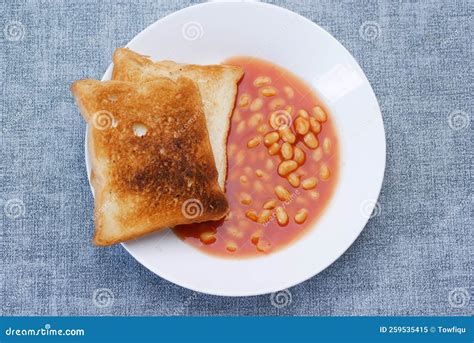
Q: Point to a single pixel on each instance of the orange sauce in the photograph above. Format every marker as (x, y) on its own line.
(252, 173)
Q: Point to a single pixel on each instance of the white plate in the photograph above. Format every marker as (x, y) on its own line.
(212, 32)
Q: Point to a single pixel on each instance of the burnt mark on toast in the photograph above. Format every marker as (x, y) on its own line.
(172, 161)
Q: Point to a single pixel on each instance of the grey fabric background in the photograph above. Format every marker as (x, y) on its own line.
(413, 258)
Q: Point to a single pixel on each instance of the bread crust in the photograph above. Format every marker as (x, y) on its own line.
(217, 85)
(143, 183)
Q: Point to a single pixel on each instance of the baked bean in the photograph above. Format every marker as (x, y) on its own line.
(317, 154)
(268, 91)
(263, 245)
(207, 237)
(253, 142)
(281, 216)
(309, 183)
(290, 93)
(252, 215)
(240, 157)
(301, 216)
(314, 195)
(271, 138)
(241, 127)
(286, 151)
(255, 237)
(264, 216)
(327, 145)
(294, 180)
(262, 81)
(256, 105)
(314, 125)
(262, 129)
(320, 114)
(269, 164)
(243, 179)
(236, 116)
(259, 172)
(324, 172)
(282, 193)
(258, 186)
(231, 246)
(270, 204)
(310, 140)
(274, 149)
(301, 125)
(287, 135)
(287, 167)
(245, 198)
(255, 119)
(234, 232)
(244, 100)
(276, 104)
(303, 113)
(299, 156)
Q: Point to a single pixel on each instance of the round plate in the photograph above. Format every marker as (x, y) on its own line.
(210, 33)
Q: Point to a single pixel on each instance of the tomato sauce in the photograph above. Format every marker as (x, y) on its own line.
(269, 100)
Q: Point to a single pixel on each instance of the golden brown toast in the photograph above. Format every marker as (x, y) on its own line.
(217, 84)
(152, 163)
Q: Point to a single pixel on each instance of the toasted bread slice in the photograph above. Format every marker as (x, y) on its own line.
(152, 163)
(217, 84)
